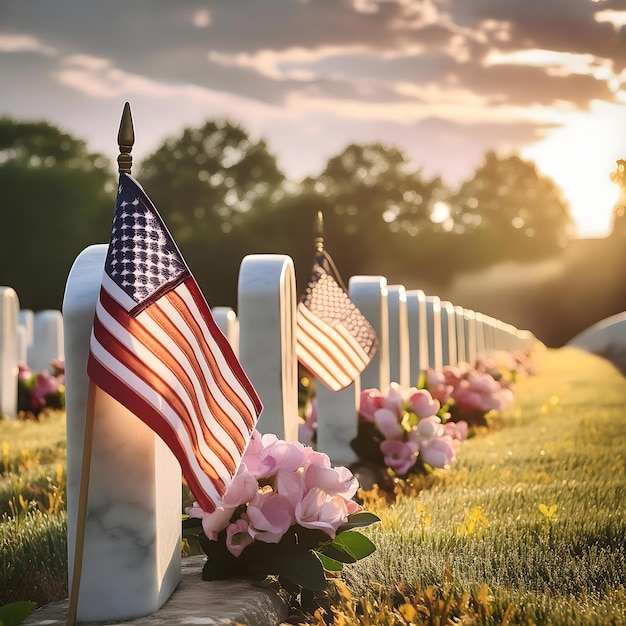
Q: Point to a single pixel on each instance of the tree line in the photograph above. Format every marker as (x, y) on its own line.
(223, 196)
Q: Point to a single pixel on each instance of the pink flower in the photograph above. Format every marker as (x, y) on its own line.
(320, 511)
(237, 537)
(399, 456)
(394, 399)
(268, 516)
(370, 401)
(292, 486)
(334, 480)
(24, 372)
(438, 387)
(429, 427)
(439, 452)
(242, 489)
(456, 430)
(482, 383)
(212, 523)
(45, 385)
(275, 455)
(468, 398)
(312, 457)
(58, 366)
(423, 404)
(306, 430)
(387, 422)
(452, 375)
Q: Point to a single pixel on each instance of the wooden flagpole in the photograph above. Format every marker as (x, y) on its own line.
(125, 141)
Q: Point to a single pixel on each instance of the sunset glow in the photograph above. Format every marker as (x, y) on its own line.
(444, 81)
(580, 156)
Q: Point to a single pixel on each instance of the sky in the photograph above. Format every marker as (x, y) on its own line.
(443, 80)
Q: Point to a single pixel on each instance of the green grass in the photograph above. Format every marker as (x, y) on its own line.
(483, 544)
(491, 519)
(33, 526)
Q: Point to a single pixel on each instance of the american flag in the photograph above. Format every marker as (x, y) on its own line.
(157, 350)
(334, 340)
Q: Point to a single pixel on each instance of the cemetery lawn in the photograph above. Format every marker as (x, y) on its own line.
(530, 524)
(527, 528)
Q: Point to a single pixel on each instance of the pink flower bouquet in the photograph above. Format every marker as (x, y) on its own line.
(288, 513)
(470, 394)
(39, 391)
(405, 430)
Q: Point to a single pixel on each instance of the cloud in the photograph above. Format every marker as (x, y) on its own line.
(15, 42)
(445, 80)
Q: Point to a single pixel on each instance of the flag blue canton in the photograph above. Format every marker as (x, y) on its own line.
(142, 255)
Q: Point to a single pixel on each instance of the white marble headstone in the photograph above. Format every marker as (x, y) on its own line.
(399, 364)
(433, 325)
(9, 313)
(337, 421)
(47, 340)
(27, 322)
(369, 294)
(523, 339)
(267, 339)
(418, 334)
(227, 322)
(448, 334)
(131, 562)
(470, 336)
(481, 348)
(460, 334)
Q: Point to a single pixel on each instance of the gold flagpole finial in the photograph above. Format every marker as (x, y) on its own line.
(318, 232)
(125, 141)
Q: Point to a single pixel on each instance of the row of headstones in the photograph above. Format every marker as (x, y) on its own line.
(34, 339)
(415, 332)
(131, 560)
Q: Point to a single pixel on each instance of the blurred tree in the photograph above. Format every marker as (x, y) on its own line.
(523, 211)
(207, 184)
(379, 210)
(57, 198)
(205, 181)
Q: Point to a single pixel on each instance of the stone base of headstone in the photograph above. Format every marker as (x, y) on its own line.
(195, 601)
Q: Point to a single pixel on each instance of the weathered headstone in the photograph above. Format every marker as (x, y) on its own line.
(47, 340)
(418, 333)
(459, 313)
(9, 314)
(369, 294)
(131, 561)
(267, 339)
(448, 334)
(227, 322)
(433, 324)
(399, 364)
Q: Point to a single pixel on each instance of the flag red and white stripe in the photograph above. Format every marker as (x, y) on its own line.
(157, 350)
(334, 340)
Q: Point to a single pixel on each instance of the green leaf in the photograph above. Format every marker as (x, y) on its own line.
(329, 564)
(357, 520)
(306, 570)
(354, 543)
(15, 613)
(336, 553)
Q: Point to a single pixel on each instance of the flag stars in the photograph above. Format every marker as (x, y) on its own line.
(142, 255)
